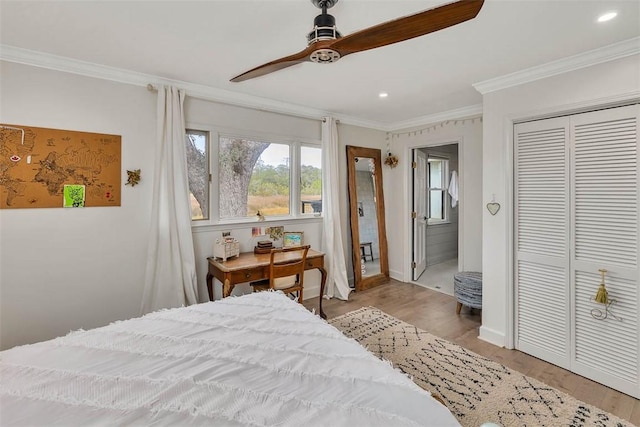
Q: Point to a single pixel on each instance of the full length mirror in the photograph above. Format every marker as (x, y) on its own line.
(366, 206)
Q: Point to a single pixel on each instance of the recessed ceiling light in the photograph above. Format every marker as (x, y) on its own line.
(383, 94)
(607, 16)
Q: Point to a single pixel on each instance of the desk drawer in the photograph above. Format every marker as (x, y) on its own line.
(312, 263)
(249, 275)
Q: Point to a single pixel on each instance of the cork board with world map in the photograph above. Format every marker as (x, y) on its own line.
(36, 164)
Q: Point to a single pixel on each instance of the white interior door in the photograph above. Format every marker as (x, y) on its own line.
(577, 206)
(542, 240)
(420, 213)
(605, 216)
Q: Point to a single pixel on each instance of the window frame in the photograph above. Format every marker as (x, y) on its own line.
(207, 136)
(300, 208)
(445, 190)
(295, 204)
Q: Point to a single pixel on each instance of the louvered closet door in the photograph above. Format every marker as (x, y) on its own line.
(542, 240)
(605, 156)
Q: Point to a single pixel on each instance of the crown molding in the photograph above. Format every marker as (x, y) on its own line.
(88, 69)
(458, 113)
(582, 60)
(354, 121)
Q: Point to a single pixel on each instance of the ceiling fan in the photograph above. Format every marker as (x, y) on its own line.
(326, 44)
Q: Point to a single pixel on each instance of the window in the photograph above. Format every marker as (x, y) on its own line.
(198, 172)
(311, 179)
(253, 175)
(437, 170)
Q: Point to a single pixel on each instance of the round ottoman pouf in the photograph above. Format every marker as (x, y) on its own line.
(467, 288)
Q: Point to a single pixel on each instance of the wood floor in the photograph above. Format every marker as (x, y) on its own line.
(435, 312)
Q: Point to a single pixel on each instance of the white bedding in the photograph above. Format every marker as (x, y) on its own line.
(256, 360)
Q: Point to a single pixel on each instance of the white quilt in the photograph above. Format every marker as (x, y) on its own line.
(256, 360)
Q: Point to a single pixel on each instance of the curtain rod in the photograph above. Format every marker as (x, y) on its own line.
(152, 88)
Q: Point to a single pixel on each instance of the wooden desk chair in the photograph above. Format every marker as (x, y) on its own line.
(286, 271)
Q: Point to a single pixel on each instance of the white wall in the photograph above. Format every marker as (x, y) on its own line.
(468, 135)
(572, 91)
(63, 269)
(369, 138)
(223, 116)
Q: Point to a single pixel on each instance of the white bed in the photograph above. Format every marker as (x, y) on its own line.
(256, 360)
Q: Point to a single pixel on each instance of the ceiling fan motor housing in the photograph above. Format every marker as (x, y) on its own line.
(324, 28)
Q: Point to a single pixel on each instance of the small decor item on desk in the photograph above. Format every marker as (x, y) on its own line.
(263, 247)
(292, 239)
(228, 248)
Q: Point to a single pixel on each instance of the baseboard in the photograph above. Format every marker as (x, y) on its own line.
(397, 275)
(491, 336)
(312, 291)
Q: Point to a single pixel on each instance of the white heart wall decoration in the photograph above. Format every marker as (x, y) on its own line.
(493, 207)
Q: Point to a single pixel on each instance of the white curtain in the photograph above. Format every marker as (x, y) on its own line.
(170, 279)
(337, 283)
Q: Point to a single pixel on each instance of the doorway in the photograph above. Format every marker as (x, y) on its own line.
(434, 213)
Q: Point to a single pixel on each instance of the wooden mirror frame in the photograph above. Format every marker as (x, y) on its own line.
(374, 280)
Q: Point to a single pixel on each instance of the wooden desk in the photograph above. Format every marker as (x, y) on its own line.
(249, 267)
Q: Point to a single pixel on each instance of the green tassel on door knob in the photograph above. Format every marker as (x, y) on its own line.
(602, 296)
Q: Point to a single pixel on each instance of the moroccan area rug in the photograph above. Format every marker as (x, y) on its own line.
(475, 389)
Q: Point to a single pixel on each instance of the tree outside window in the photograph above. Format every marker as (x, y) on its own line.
(197, 143)
(262, 188)
(253, 176)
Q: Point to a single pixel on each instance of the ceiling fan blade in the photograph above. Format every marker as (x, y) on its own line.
(408, 27)
(384, 34)
(276, 65)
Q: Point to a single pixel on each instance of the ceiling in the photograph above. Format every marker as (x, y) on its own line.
(209, 42)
